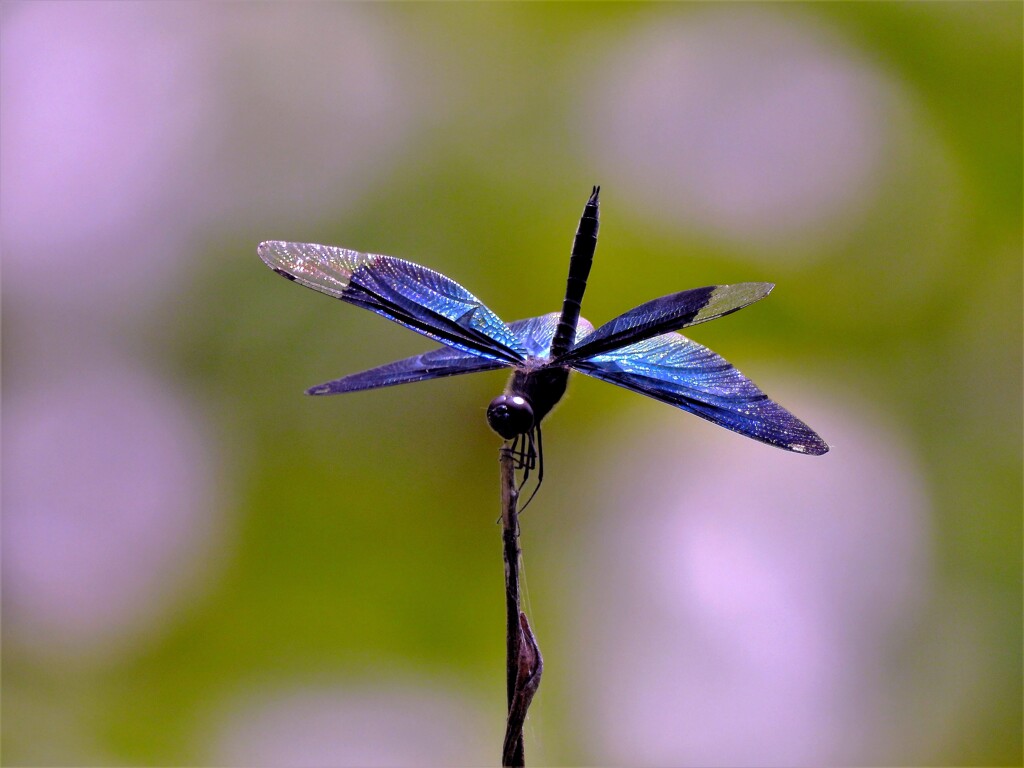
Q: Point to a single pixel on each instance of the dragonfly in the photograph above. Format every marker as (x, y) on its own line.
(640, 350)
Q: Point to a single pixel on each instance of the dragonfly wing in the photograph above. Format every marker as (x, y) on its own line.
(675, 370)
(535, 334)
(414, 296)
(435, 364)
(669, 313)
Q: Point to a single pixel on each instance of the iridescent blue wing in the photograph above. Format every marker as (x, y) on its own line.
(435, 364)
(414, 296)
(675, 370)
(536, 333)
(669, 313)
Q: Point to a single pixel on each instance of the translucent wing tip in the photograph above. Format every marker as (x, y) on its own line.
(271, 251)
(726, 299)
(812, 446)
(801, 438)
(266, 248)
(760, 290)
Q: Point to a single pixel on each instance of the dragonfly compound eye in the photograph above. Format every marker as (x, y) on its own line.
(510, 415)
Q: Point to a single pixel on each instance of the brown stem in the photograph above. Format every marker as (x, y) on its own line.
(531, 666)
(523, 662)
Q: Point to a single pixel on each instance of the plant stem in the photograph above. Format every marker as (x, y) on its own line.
(523, 662)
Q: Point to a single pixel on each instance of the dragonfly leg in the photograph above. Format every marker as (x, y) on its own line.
(536, 461)
(527, 457)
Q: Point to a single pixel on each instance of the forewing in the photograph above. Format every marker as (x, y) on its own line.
(435, 364)
(669, 313)
(675, 370)
(414, 296)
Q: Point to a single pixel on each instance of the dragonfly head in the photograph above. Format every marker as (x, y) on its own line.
(510, 415)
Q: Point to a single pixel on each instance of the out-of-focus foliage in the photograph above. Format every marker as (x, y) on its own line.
(203, 566)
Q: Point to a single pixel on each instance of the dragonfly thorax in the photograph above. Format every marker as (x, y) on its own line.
(529, 397)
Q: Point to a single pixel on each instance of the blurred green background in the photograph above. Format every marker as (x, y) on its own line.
(202, 566)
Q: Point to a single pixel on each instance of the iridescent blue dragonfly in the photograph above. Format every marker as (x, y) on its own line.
(638, 350)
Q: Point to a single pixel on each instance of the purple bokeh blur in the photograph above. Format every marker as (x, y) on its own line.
(765, 609)
(755, 124)
(118, 148)
(108, 506)
(755, 613)
(415, 723)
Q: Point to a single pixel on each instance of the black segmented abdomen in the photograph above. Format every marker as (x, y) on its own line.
(583, 247)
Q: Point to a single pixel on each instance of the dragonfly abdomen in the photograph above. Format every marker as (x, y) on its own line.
(583, 247)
